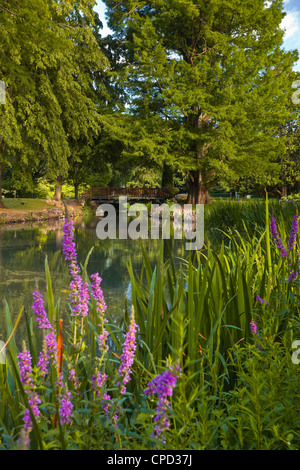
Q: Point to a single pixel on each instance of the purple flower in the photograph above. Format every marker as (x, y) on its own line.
(51, 343)
(43, 362)
(293, 232)
(293, 276)
(49, 352)
(127, 356)
(254, 330)
(98, 382)
(25, 368)
(260, 300)
(79, 296)
(27, 381)
(253, 327)
(69, 250)
(277, 239)
(291, 244)
(97, 293)
(34, 401)
(102, 340)
(162, 385)
(65, 409)
(39, 310)
(72, 378)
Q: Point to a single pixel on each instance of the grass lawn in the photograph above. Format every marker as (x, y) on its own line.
(25, 204)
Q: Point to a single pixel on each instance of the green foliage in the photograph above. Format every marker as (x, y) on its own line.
(44, 189)
(209, 85)
(292, 197)
(48, 52)
(237, 389)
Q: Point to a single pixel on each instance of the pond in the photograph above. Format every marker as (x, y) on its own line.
(23, 249)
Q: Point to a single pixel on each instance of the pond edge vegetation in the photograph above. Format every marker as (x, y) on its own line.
(202, 358)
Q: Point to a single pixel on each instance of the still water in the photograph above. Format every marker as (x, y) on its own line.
(23, 249)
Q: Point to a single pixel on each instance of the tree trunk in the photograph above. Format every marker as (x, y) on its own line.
(198, 191)
(76, 189)
(2, 148)
(167, 176)
(58, 188)
(1, 201)
(284, 191)
(198, 184)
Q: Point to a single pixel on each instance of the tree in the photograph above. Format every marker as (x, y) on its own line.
(48, 50)
(290, 162)
(209, 82)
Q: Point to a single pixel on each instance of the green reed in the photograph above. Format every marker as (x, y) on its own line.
(196, 311)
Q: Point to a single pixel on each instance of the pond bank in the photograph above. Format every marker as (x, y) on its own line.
(52, 210)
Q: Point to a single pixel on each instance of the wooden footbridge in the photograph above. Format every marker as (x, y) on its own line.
(132, 194)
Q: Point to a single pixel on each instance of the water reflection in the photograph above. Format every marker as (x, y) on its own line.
(23, 249)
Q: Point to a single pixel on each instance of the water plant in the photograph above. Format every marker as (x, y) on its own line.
(200, 360)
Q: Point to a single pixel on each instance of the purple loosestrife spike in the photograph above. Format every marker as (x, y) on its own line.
(34, 402)
(293, 232)
(49, 353)
(39, 310)
(98, 384)
(292, 242)
(43, 362)
(162, 385)
(72, 378)
(260, 300)
(277, 239)
(293, 276)
(84, 299)
(65, 409)
(102, 341)
(25, 364)
(25, 368)
(127, 356)
(254, 330)
(69, 250)
(253, 327)
(97, 293)
(51, 344)
(79, 296)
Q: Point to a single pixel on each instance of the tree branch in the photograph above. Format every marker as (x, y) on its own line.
(6, 9)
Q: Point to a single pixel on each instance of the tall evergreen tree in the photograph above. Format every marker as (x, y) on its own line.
(209, 83)
(48, 52)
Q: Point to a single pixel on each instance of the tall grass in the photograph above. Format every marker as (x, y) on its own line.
(237, 390)
(208, 303)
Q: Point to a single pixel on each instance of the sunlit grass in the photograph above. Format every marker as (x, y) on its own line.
(25, 204)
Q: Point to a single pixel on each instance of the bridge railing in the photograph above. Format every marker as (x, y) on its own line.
(138, 193)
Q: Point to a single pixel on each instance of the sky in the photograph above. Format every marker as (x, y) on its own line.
(291, 24)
